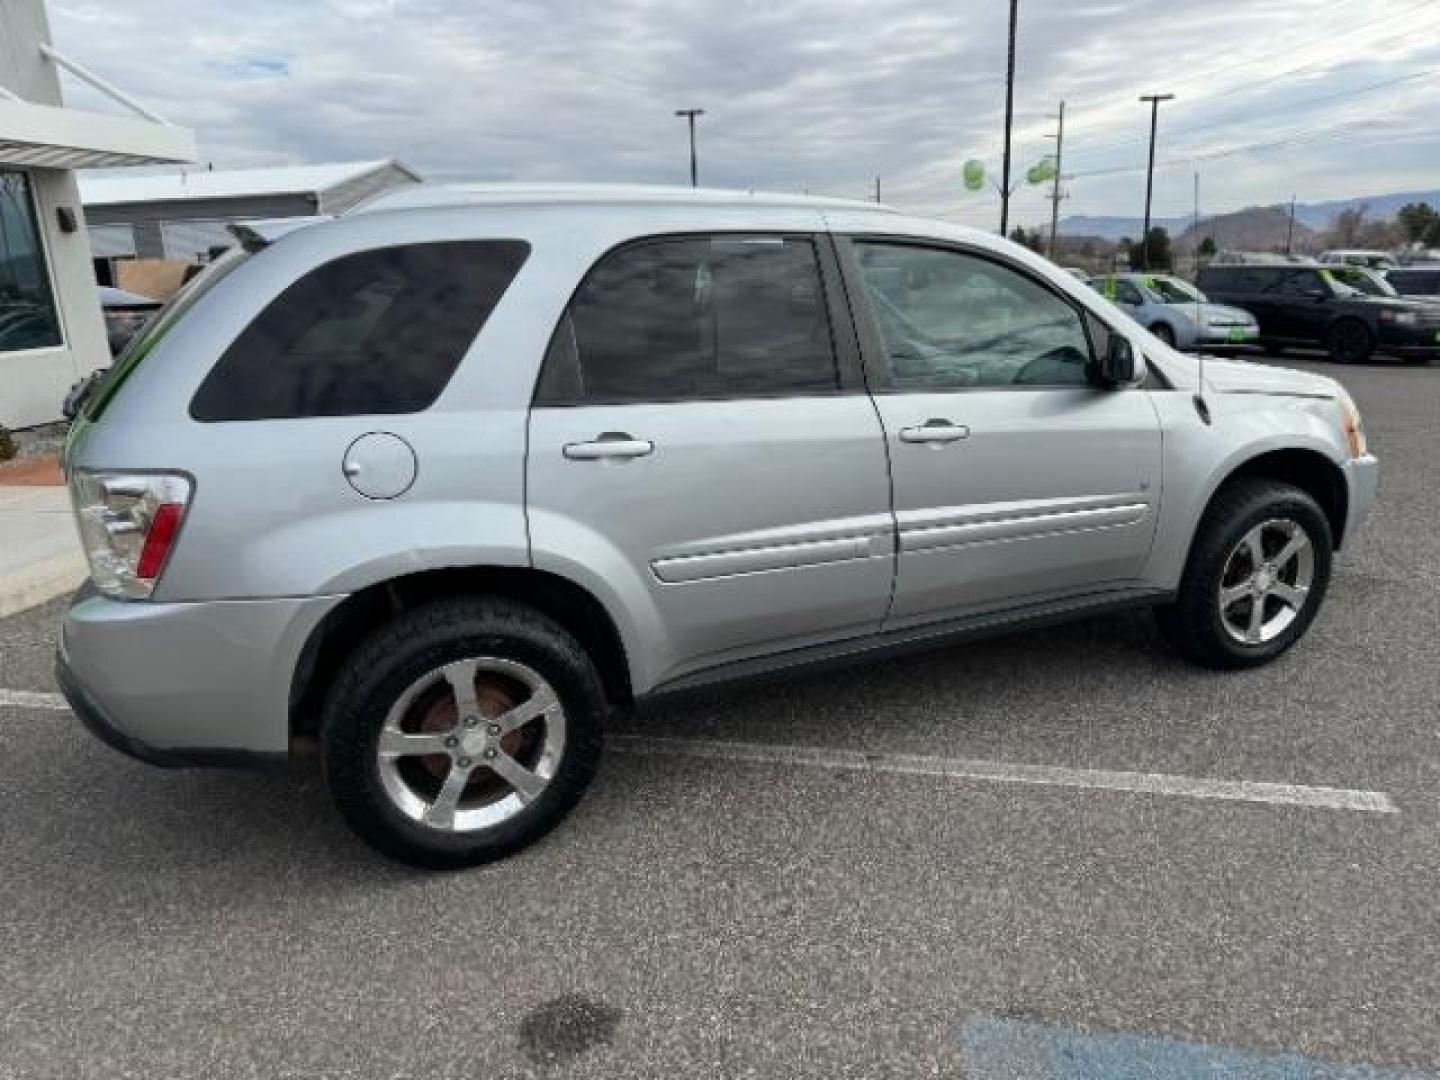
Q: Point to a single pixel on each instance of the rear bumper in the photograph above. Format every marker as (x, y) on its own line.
(1362, 478)
(188, 683)
(95, 720)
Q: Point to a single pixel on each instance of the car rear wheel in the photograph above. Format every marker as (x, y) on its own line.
(1164, 333)
(1349, 342)
(1257, 574)
(461, 732)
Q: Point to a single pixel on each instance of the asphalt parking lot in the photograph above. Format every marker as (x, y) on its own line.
(830, 914)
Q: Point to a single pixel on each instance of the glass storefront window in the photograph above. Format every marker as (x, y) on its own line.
(27, 307)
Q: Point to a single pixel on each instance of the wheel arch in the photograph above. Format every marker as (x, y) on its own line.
(1309, 470)
(336, 636)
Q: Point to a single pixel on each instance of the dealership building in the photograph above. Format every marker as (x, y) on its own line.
(184, 215)
(51, 331)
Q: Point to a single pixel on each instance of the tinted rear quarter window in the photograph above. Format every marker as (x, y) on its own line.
(1423, 282)
(379, 331)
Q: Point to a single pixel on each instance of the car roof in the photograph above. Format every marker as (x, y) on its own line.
(426, 196)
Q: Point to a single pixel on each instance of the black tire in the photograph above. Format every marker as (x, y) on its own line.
(1194, 624)
(423, 640)
(1164, 333)
(1349, 341)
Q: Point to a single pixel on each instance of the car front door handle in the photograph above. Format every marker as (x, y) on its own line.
(935, 431)
(609, 446)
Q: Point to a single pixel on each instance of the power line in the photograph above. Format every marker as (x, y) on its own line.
(1391, 17)
(1299, 138)
(1099, 148)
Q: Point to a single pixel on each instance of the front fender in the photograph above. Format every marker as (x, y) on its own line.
(1199, 458)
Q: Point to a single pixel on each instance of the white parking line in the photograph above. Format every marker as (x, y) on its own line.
(1192, 787)
(30, 699)
(1327, 798)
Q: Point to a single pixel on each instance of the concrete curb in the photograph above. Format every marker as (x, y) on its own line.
(40, 582)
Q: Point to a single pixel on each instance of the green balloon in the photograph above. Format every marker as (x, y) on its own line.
(1042, 172)
(973, 173)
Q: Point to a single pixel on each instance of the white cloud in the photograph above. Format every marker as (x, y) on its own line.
(797, 93)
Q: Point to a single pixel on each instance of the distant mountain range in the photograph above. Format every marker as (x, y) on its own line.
(1315, 216)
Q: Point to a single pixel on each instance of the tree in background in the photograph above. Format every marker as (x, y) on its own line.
(1207, 247)
(1345, 228)
(1034, 240)
(1354, 229)
(1420, 223)
(1161, 257)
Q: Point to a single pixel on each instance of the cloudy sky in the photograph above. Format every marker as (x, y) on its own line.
(1321, 98)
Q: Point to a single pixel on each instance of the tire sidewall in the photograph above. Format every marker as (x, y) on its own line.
(1227, 534)
(1334, 342)
(357, 710)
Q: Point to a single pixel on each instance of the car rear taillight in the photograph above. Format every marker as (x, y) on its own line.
(128, 523)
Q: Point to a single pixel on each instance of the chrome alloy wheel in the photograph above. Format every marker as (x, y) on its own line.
(469, 745)
(1266, 581)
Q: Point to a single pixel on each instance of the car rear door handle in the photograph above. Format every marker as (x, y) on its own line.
(610, 445)
(935, 431)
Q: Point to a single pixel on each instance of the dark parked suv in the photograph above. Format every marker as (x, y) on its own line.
(1309, 305)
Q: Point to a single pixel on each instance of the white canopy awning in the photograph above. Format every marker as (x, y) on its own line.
(50, 137)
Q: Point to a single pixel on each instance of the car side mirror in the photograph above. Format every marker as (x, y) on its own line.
(1117, 366)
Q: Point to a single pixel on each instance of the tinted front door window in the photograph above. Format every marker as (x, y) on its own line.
(950, 320)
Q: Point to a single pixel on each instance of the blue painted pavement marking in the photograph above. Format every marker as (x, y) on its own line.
(996, 1049)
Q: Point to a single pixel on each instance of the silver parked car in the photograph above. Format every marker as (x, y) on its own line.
(449, 480)
(1178, 313)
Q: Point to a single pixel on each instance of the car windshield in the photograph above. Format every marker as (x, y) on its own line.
(1173, 290)
(1357, 279)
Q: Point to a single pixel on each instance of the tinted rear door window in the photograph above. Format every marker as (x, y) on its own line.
(695, 318)
(378, 331)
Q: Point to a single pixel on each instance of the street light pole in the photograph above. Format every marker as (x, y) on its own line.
(690, 115)
(1154, 100)
(1009, 120)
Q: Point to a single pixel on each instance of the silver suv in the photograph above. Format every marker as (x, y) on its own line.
(449, 480)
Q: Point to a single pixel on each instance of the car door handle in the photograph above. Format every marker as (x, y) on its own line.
(610, 445)
(935, 431)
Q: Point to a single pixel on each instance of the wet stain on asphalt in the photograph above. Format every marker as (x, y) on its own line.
(566, 1027)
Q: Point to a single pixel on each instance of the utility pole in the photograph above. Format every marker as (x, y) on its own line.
(690, 115)
(1195, 228)
(877, 189)
(1290, 231)
(1009, 121)
(1154, 100)
(1055, 195)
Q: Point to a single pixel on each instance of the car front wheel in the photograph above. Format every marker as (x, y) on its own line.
(1349, 342)
(1258, 570)
(1164, 333)
(462, 731)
